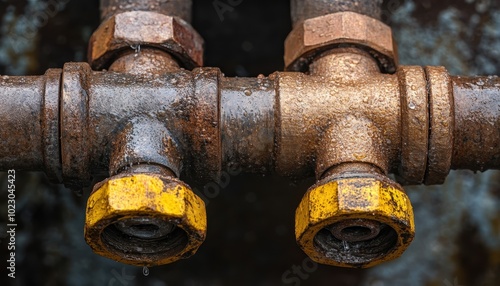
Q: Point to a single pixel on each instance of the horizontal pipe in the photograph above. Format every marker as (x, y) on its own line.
(477, 123)
(306, 9)
(248, 123)
(217, 121)
(21, 145)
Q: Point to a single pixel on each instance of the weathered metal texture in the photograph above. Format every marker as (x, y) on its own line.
(177, 8)
(134, 29)
(310, 105)
(29, 124)
(289, 120)
(306, 9)
(202, 112)
(441, 125)
(415, 124)
(145, 61)
(166, 100)
(316, 35)
(51, 126)
(476, 143)
(340, 143)
(248, 123)
(20, 117)
(145, 141)
(354, 220)
(145, 219)
(74, 126)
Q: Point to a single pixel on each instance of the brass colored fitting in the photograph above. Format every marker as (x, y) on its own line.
(150, 29)
(354, 221)
(144, 220)
(314, 36)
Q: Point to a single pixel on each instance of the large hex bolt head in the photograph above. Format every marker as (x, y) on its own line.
(148, 29)
(144, 220)
(343, 29)
(354, 222)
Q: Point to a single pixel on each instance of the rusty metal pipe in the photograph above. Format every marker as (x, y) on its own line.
(29, 123)
(20, 119)
(349, 118)
(248, 110)
(177, 8)
(477, 123)
(307, 9)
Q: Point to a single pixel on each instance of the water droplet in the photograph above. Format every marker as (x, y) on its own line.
(346, 245)
(145, 271)
(412, 106)
(136, 48)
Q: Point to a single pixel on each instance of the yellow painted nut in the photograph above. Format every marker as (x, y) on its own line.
(144, 220)
(354, 222)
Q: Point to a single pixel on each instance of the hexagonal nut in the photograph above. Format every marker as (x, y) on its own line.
(354, 222)
(317, 35)
(144, 220)
(143, 28)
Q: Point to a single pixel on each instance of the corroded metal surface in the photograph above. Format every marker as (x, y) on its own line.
(309, 104)
(74, 125)
(464, 210)
(149, 29)
(199, 128)
(316, 35)
(441, 125)
(307, 9)
(178, 8)
(248, 126)
(477, 123)
(145, 61)
(357, 99)
(21, 130)
(415, 124)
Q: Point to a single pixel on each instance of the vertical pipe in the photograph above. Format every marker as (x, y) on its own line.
(477, 123)
(178, 8)
(306, 9)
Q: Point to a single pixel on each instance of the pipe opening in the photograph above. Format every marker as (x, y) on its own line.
(356, 241)
(355, 230)
(145, 228)
(138, 236)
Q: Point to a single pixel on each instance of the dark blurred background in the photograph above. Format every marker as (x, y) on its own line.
(251, 223)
